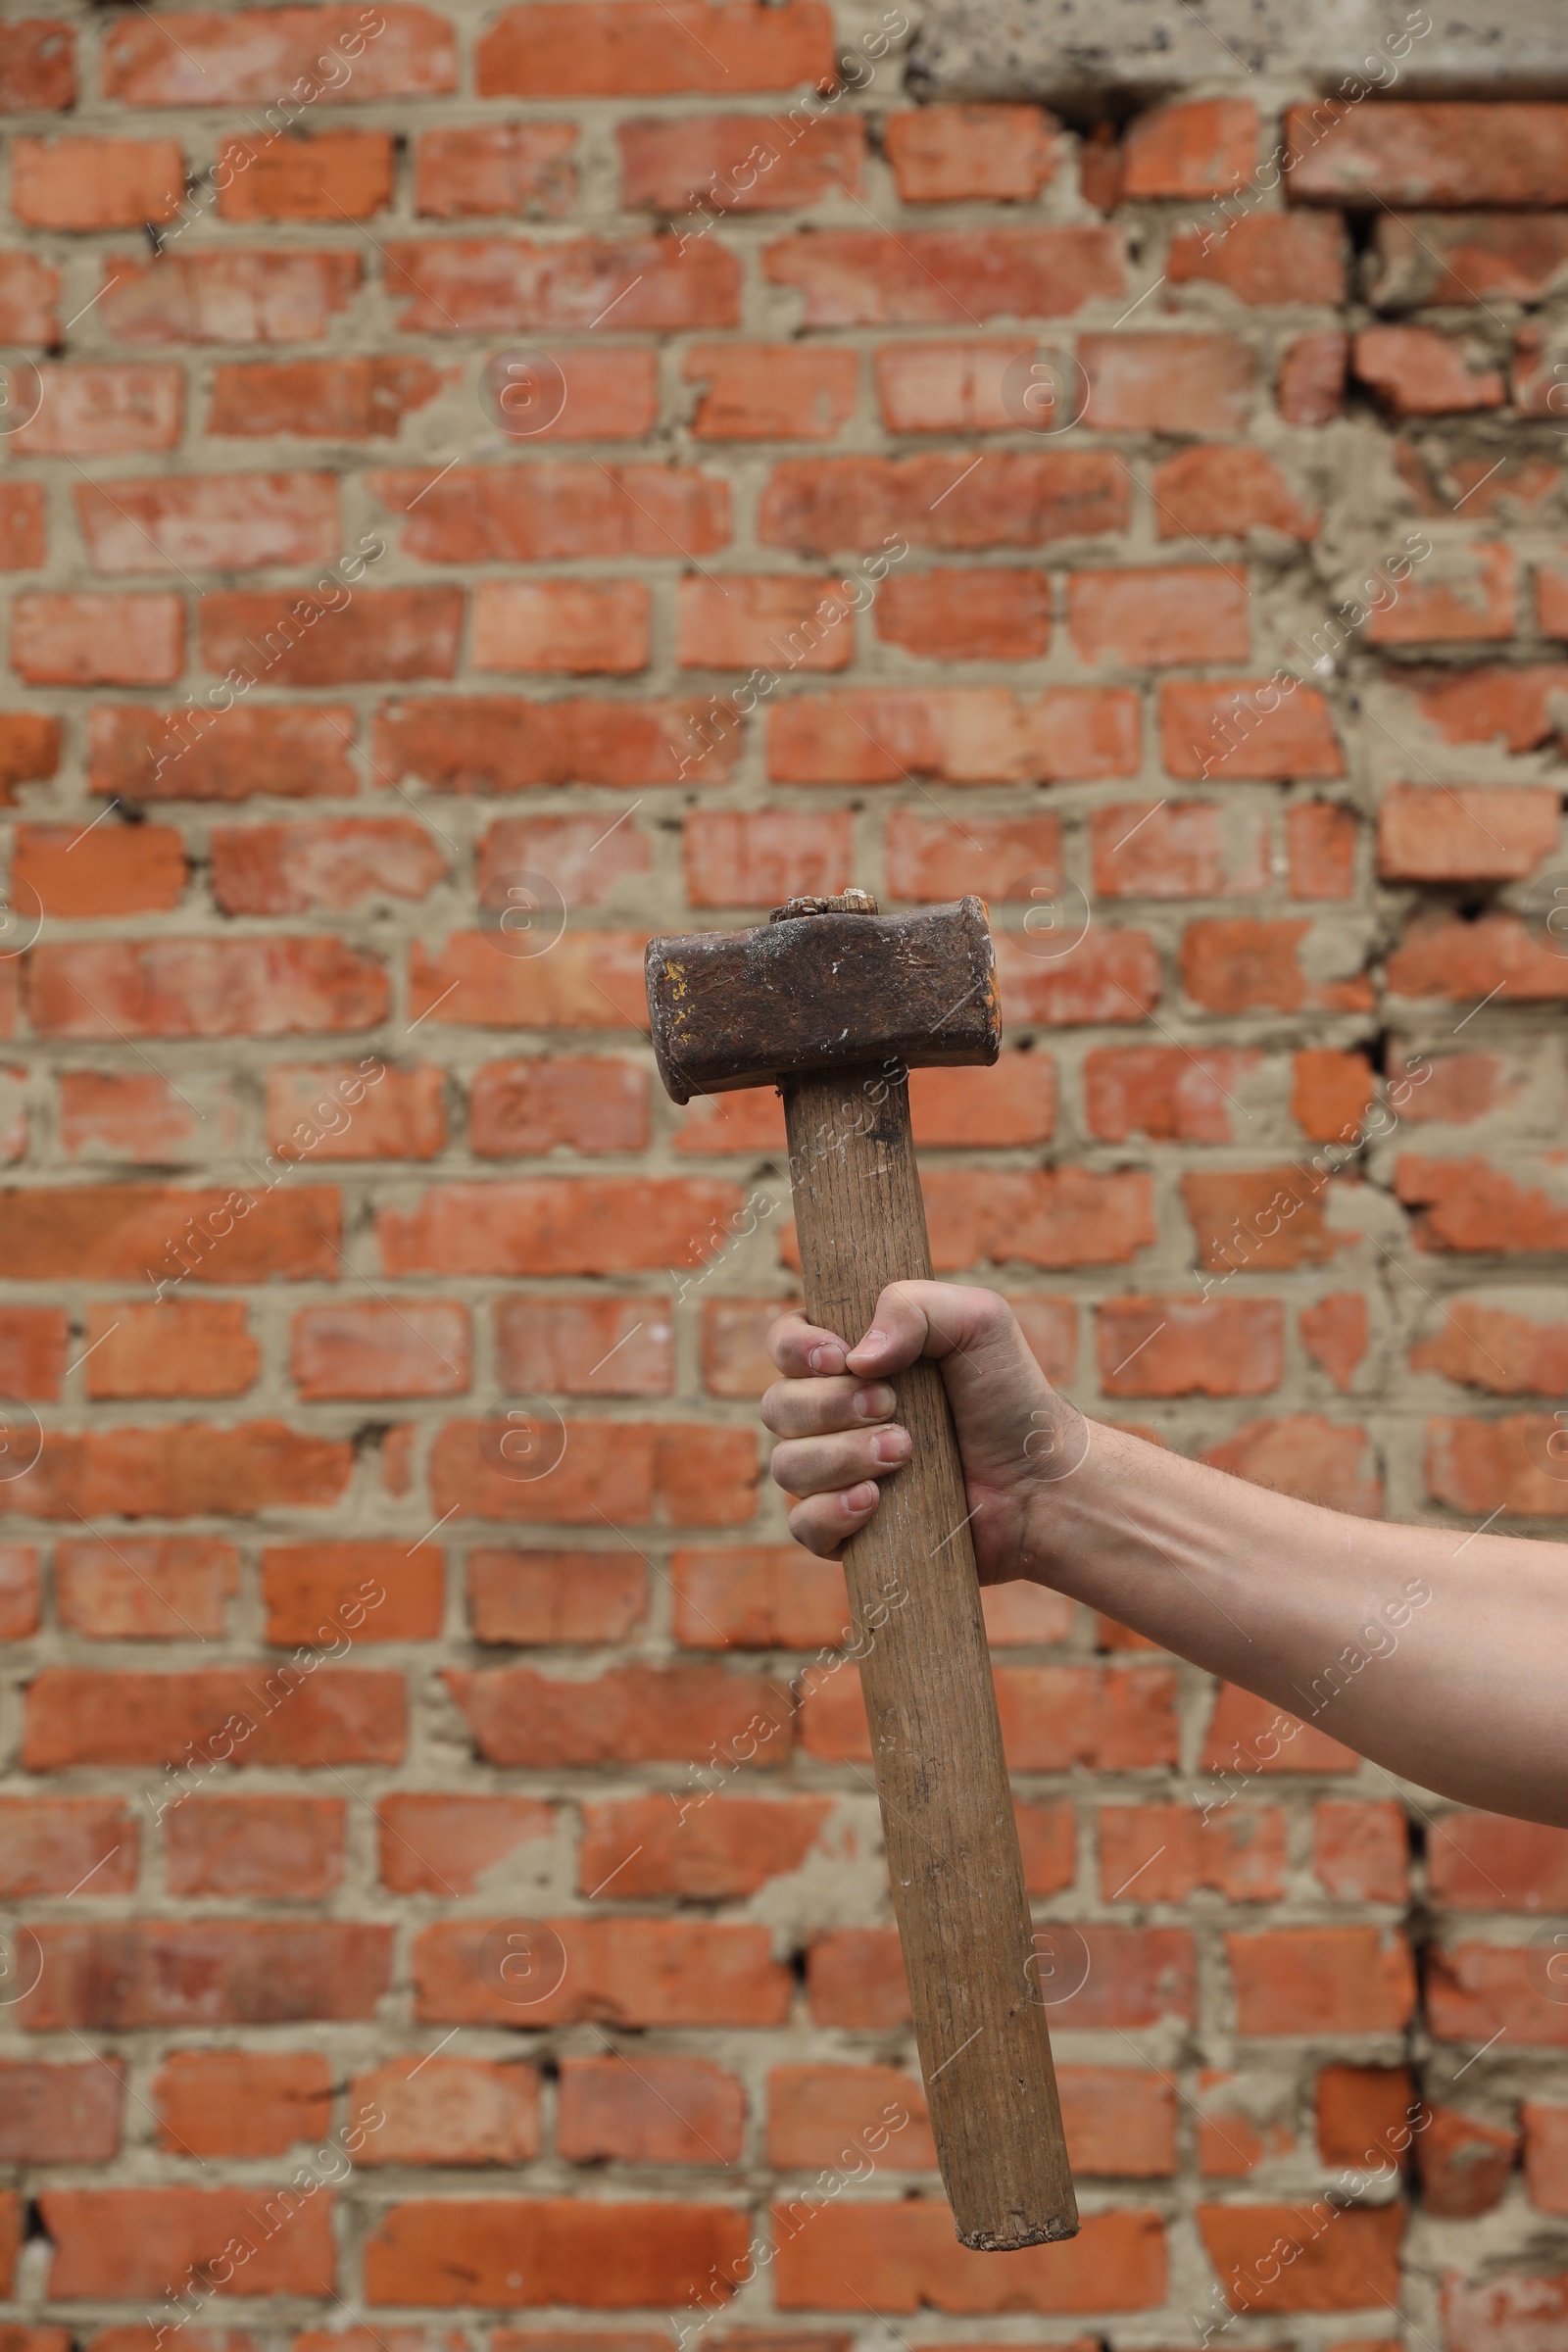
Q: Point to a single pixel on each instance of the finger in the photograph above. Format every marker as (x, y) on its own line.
(800, 1349)
(814, 1408)
(826, 1465)
(825, 1522)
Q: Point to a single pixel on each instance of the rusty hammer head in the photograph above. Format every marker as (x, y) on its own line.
(828, 984)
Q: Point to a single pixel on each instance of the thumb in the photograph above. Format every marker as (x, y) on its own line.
(973, 1330)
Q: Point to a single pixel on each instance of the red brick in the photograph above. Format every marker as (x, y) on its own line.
(386, 634)
(523, 1108)
(1225, 493)
(1416, 372)
(95, 183)
(570, 853)
(321, 863)
(815, 2112)
(858, 277)
(102, 410)
(1052, 1217)
(630, 1714)
(1166, 383)
(1546, 2136)
(228, 297)
(119, 869)
(289, 754)
(1335, 1335)
(59, 2115)
(1483, 1467)
(1048, 1835)
(1456, 1088)
(1310, 386)
(1306, 1455)
(904, 2256)
(1114, 1719)
(1466, 1204)
(241, 2102)
(1330, 1093)
(146, 1589)
(184, 987)
(751, 1119)
(364, 1593)
(1240, 1724)
(113, 1116)
(176, 1471)
(696, 1845)
(1237, 733)
(32, 1351)
(997, 857)
(1361, 2113)
(1464, 2165)
(324, 176)
(76, 1715)
(265, 1845)
(1476, 600)
(509, 2253)
(1164, 1092)
(1347, 2257)
(210, 522)
(131, 2241)
(1164, 1853)
(488, 167)
(343, 1112)
(1552, 602)
(712, 165)
(466, 2111)
(770, 391)
(493, 285)
(578, 626)
(37, 72)
(437, 1844)
(28, 295)
(49, 1845)
(770, 622)
(993, 616)
(1466, 832)
(476, 744)
(1447, 258)
(324, 400)
(1506, 2309)
(961, 735)
(1232, 2140)
(1320, 841)
(657, 2111)
(760, 859)
(1202, 147)
(996, 154)
(735, 1359)
(1443, 154)
(117, 1975)
(1487, 1347)
(98, 640)
(555, 1225)
(1267, 257)
(819, 506)
(113, 1233)
(1179, 613)
(1361, 1852)
(765, 1597)
(953, 386)
(1476, 1990)
(249, 57)
(1293, 1981)
(588, 1347)
(635, 1972)
(19, 1597)
(622, 48)
(1236, 964)
(1189, 1347)
(1497, 954)
(370, 1348)
(23, 528)
(1185, 848)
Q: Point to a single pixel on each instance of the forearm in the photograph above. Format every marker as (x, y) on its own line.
(1443, 1657)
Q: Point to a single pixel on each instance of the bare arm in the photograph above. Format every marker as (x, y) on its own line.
(1442, 1657)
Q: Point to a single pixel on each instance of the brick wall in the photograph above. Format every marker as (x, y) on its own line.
(417, 467)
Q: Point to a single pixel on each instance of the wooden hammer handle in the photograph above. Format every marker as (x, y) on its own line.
(936, 1739)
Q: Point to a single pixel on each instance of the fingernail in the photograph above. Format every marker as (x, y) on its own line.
(891, 1445)
(875, 1402)
(826, 1356)
(861, 1499)
(875, 1343)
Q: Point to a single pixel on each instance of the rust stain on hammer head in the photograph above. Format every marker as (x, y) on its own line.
(829, 984)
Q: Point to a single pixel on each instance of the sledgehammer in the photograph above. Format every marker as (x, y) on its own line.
(835, 1004)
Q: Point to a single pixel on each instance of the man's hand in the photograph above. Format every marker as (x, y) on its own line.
(832, 1413)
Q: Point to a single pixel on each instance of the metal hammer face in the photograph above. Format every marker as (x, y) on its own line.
(829, 984)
